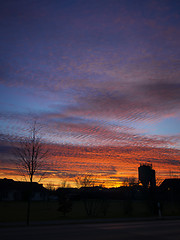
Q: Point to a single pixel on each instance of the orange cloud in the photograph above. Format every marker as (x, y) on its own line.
(108, 165)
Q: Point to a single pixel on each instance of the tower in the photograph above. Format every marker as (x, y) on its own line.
(147, 175)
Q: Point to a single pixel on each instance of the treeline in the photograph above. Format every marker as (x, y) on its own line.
(98, 199)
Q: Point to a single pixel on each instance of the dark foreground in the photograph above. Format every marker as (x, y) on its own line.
(148, 230)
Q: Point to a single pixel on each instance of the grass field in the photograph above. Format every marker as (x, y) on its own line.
(46, 211)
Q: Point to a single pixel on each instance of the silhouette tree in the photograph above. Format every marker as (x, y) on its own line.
(89, 193)
(65, 184)
(85, 181)
(30, 153)
(129, 182)
(51, 187)
(65, 205)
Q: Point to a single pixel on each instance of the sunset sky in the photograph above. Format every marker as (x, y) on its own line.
(103, 79)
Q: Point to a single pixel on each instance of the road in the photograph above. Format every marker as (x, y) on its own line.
(148, 230)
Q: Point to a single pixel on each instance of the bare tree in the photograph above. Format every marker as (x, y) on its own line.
(30, 154)
(129, 182)
(91, 203)
(85, 181)
(65, 184)
(51, 187)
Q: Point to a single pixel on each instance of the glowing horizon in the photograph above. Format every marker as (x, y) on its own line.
(108, 166)
(102, 78)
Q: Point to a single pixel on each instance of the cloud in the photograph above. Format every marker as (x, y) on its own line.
(92, 124)
(105, 163)
(138, 102)
(94, 73)
(164, 91)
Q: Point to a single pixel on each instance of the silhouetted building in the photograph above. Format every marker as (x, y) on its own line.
(11, 190)
(171, 184)
(170, 189)
(147, 175)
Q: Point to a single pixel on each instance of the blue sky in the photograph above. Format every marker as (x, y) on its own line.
(100, 72)
(63, 56)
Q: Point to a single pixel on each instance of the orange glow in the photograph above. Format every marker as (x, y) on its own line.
(108, 165)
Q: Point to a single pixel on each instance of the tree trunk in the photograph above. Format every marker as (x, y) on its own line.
(29, 203)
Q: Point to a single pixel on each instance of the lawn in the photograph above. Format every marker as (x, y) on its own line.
(46, 211)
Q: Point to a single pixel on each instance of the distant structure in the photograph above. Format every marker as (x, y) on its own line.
(172, 184)
(11, 190)
(147, 175)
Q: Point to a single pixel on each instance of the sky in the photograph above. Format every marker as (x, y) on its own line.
(103, 79)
